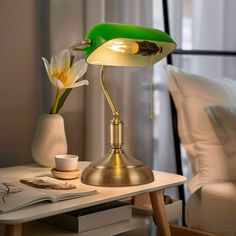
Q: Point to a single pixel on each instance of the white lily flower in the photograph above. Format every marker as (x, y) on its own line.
(61, 75)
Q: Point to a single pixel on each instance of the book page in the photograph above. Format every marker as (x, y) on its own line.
(59, 190)
(14, 196)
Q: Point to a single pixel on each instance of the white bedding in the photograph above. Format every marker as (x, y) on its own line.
(213, 209)
(212, 204)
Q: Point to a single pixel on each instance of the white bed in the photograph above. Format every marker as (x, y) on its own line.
(206, 111)
(212, 208)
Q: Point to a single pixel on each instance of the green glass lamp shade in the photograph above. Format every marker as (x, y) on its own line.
(115, 44)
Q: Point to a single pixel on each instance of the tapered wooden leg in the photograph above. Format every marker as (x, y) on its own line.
(159, 213)
(13, 230)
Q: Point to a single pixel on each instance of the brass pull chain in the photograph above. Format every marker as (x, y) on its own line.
(151, 114)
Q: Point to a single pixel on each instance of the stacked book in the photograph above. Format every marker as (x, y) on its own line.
(92, 217)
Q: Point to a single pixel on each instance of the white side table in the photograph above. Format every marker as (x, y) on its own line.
(13, 220)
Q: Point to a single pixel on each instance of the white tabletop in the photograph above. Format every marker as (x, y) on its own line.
(106, 194)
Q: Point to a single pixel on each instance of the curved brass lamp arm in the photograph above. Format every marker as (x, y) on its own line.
(106, 93)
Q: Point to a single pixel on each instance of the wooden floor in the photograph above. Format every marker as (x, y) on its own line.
(177, 230)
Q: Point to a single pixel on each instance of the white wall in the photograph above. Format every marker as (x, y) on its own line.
(18, 65)
(30, 29)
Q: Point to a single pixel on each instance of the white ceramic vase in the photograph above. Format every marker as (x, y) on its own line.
(49, 139)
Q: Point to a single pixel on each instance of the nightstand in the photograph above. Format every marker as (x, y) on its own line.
(13, 220)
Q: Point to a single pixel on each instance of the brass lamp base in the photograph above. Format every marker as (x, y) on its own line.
(117, 169)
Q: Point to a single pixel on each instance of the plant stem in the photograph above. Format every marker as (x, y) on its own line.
(63, 98)
(54, 108)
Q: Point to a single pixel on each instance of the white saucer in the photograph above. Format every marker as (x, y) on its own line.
(65, 174)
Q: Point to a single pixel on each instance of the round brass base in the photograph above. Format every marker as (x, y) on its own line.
(117, 169)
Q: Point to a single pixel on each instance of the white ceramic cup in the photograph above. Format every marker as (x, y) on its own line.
(66, 162)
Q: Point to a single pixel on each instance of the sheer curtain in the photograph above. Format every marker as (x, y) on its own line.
(207, 25)
(214, 30)
(204, 24)
(149, 140)
(164, 156)
(86, 112)
(62, 25)
(128, 87)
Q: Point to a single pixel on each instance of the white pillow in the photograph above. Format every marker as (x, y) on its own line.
(191, 94)
(223, 120)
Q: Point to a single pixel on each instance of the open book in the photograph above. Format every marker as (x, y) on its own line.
(15, 195)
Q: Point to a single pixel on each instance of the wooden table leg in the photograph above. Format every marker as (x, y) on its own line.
(13, 230)
(159, 213)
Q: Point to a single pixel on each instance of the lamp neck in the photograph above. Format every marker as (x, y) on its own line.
(116, 134)
(106, 93)
(116, 125)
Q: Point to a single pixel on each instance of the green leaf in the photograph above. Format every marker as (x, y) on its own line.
(63, 98)
(71, 59)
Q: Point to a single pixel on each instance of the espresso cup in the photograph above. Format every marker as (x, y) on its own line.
(66, 162)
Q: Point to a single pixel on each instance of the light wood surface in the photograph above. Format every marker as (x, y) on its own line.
(13, 230)
(159, 213)
(105, 194)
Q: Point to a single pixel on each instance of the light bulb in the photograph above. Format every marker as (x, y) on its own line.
(144, 48)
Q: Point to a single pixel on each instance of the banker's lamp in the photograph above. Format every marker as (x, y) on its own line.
(110, 44)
